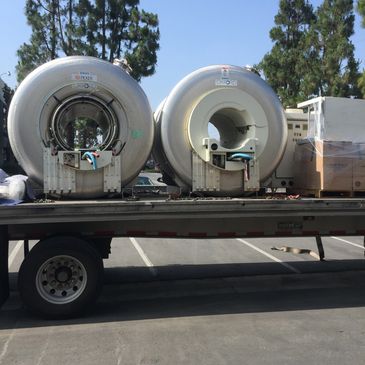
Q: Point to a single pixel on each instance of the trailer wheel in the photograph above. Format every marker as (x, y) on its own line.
(61, 277)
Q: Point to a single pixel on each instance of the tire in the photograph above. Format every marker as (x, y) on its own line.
(61, 277)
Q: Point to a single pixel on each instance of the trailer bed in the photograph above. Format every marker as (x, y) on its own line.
(186, 218)
(65, 226)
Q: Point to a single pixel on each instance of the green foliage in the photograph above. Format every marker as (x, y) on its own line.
(336, 70)
(7, 159)
(84, 133)
(284, 66)
(361, 10)
(117, 28)
(312, 52)
(8, 94)
(360, 7)
(361, 84)
(107, 29)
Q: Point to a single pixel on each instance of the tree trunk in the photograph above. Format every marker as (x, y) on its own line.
(70, 26)
(53, 29)
(103, 48)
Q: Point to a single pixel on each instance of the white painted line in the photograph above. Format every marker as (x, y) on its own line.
(144, 257)
(292, 268)
(15, 251)
(45, 345)
(348, 242)
(6, 345)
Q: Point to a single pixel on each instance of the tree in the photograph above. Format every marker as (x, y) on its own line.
(335, 69)
(361, 10)
(102, 28)
(7, 93)
(117, 27)
(284, 67)
(360, 7)
(7, 159)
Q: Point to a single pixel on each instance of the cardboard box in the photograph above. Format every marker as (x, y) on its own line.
(358, 168)
(324, 165)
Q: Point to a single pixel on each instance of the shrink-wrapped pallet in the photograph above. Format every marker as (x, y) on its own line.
(329, 166)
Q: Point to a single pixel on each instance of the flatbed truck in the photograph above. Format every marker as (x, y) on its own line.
(62, 275)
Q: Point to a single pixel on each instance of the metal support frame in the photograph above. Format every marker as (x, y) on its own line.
(4, 269)
(320, 248)
(26, 247)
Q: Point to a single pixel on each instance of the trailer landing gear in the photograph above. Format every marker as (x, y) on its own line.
(320, 248)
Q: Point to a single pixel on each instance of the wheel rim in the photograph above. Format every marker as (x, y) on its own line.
(61, 279)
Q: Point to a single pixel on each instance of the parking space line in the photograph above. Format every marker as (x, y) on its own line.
(15, 251)
(292, 268)
(348, 242)
(144, 257)
(6, 344)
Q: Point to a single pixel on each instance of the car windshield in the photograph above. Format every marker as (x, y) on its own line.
(143, 180)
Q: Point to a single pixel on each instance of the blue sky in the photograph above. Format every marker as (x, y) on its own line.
(194, 34)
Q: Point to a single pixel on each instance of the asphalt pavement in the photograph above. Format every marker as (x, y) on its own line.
(232, 301)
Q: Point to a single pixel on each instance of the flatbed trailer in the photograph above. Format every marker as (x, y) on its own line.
(62, 275)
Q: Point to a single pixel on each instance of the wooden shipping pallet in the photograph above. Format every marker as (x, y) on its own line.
(317, 193)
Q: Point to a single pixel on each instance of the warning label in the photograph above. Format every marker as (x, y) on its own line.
(225, 79)
(225, 73)
(85, 86)
(84, 76)
(225, 82)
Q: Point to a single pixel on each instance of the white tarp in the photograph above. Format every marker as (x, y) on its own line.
(14, 189)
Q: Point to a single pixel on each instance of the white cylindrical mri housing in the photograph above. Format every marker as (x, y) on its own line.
(248, 142)
(80, 126)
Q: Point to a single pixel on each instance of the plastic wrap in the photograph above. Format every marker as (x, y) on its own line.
(336, 119)
(329, 165)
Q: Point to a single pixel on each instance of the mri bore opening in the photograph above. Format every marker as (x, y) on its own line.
(84, 124)
(230, 127)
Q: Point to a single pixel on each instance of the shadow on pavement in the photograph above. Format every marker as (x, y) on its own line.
(133, 294)
(177, 272)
